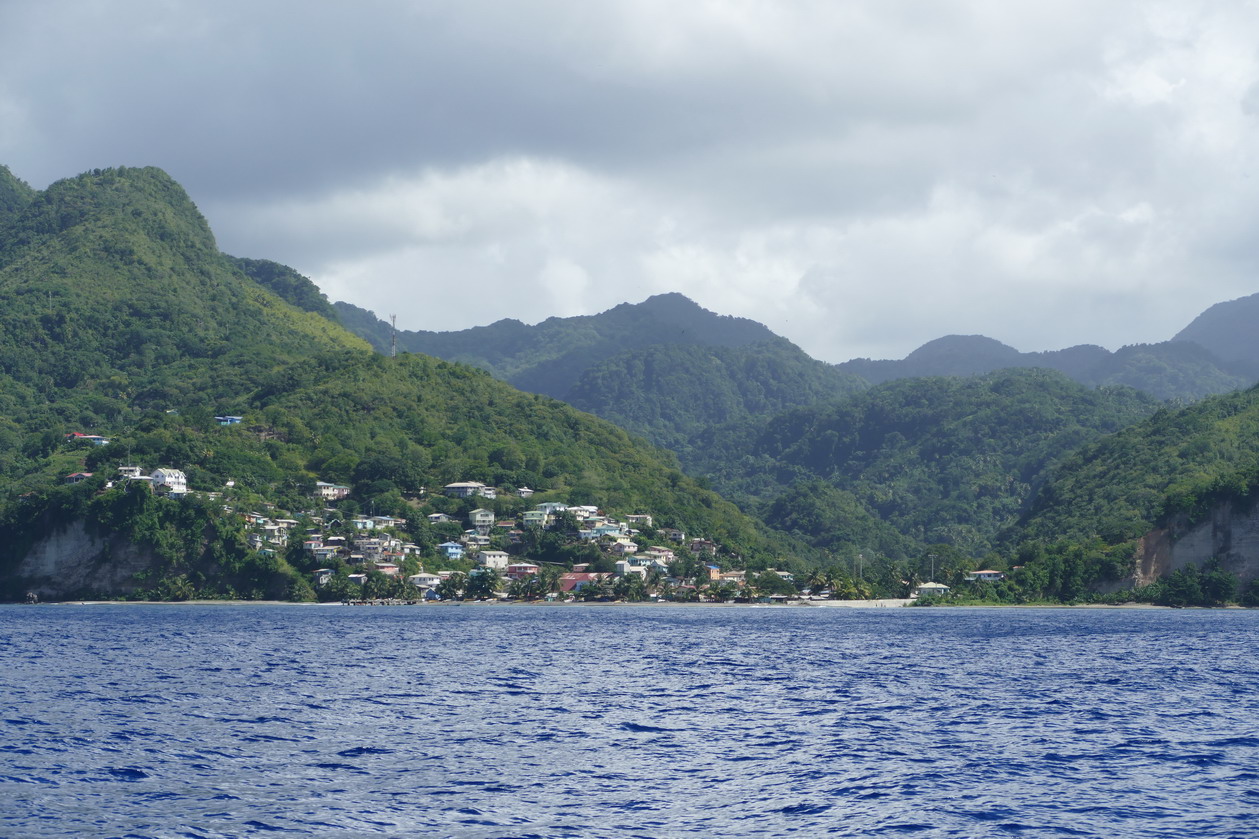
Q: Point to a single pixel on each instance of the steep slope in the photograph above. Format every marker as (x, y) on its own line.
(1172, 498)
(287, 284)
(15, 194)
(670, 392)
(111, 282)
(1176, 463)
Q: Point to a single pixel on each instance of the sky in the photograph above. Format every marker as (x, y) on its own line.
(861, 176)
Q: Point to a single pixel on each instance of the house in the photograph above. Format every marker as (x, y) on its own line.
(387, 568)
(624, 548)
(673, 534)
(424, 580)
(129, 471)
(520, 570)
(703, 546)
(536, 518)
(640, 519)
(228, 420)
(452, 550)
(931, 590)
(488, 492)
(482, 520)
(357, 579)
(659, 553)
(78, 477)
(439, 518)
(94, 439)
(323, 553)
(388, 521)
(493, 559)
(985, 576)
(576, 580)
(524, 492)
(330, 492)
(322, 576)
(624, 568)
(551, 507)
(463, 489)
(170, 481)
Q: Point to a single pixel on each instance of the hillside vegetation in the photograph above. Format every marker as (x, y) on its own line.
(671, 392)
(120, 318)
(941, 460)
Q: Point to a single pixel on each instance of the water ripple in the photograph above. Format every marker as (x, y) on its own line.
(479, 723)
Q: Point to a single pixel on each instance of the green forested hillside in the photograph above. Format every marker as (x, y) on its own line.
(287, 284)
(668, 393)
(948, 461)
(111, 285)
(14, 194)
(548, 358)
(1176, 462)
(119, 317)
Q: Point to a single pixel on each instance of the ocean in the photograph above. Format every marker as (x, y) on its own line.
(483, 721)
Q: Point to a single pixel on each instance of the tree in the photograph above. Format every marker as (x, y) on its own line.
(453, 587)
(482, 583)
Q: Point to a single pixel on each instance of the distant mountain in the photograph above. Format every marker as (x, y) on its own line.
(1228, 330)
(670, 392)
(1177, 369)
(550, 357)
(664, 368)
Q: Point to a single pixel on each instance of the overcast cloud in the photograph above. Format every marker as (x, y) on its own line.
(861, 176)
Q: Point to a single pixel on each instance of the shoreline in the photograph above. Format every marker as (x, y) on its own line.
(882, 603)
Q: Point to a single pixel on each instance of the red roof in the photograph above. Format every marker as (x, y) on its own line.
(572, 580)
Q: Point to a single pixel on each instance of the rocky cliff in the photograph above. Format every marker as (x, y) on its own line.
(70, 562)
(1230, 534)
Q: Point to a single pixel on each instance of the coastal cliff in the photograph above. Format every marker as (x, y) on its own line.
(1230, 534)
(72, 561)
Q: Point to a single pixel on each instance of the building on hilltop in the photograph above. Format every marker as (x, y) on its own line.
(169, 481)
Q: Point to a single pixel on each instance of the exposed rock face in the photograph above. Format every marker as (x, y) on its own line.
(1231, 535)
(71, 562)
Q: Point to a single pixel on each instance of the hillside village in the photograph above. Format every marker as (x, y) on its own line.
(472, 551)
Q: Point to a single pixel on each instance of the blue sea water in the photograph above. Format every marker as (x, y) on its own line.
(588, 721)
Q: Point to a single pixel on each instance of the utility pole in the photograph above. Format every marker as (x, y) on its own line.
(393, 336)
(932, 557)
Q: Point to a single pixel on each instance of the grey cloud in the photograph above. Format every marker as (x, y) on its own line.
(862, 176)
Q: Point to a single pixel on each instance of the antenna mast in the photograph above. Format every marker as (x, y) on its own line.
(393, 336)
